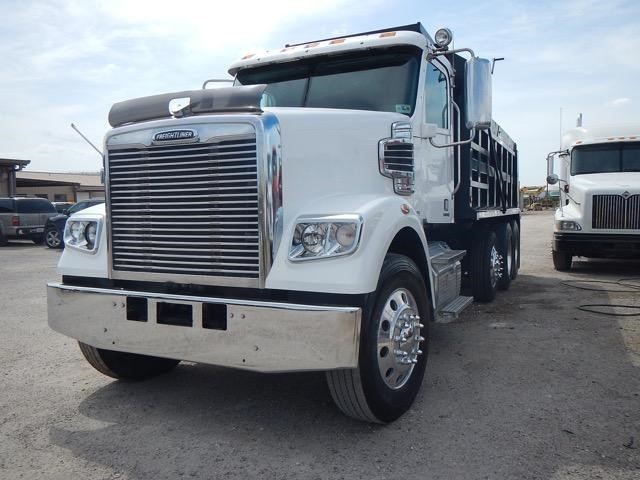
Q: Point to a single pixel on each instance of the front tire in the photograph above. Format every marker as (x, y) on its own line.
(562, 261)
(52, 238)
(126, 366)
(393, 347)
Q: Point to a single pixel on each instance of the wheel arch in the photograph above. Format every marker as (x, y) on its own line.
(408, 242)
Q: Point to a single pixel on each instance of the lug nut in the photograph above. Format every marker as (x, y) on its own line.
(419, 338)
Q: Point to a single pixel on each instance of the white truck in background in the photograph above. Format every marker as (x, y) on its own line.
(316, 215)
(599, 182)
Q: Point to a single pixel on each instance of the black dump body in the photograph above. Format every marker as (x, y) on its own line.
(489, 165)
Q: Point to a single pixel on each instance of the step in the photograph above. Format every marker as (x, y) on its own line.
(452, 310)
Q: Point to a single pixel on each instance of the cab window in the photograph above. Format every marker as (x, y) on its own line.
(437, 97)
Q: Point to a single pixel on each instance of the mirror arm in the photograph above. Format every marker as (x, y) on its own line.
(437, 53)
(472, 134)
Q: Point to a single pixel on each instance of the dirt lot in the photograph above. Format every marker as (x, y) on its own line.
(527, 387)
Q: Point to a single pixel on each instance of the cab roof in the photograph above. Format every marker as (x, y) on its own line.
(600, 134)
(413, 34)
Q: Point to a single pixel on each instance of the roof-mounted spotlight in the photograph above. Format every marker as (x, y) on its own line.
(443, 37)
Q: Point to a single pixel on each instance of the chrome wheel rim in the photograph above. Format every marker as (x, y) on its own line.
(53, 238)
(398, 338)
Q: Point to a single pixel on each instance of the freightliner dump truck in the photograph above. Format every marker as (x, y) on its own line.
(599, 181)
(316, 215)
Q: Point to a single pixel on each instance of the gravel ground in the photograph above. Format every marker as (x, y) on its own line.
(528, 387)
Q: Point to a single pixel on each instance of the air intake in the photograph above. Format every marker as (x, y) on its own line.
(395, 157)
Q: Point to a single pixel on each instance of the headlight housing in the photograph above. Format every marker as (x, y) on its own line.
(82, 234)
(324, 237)
(568, 225)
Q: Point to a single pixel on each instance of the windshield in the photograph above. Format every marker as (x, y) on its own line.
(381, 80)
(616, 157)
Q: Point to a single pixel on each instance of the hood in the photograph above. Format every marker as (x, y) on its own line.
(607, 183)
(325, 151)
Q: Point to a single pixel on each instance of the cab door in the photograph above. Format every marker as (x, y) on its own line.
(434, 167)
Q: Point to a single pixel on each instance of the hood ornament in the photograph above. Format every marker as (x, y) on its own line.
(626, 195)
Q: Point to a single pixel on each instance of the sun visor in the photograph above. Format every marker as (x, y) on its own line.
(190, 102)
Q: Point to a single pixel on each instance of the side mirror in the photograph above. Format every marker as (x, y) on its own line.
(65, 211)
(428, 130)
(552, 178)
(478, 93)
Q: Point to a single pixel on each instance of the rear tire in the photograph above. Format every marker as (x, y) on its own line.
(126, 366)
(484, 266)
(387, 380)
(3, 240)
(562, 261)
(504, 239)
(515, 228)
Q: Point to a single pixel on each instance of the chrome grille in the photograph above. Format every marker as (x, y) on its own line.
(616, 212)
(185, 209)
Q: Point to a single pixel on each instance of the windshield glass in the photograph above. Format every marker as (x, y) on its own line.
(616, 157)
(381, 80)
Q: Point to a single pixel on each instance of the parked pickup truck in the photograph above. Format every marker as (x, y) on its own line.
(24, 218)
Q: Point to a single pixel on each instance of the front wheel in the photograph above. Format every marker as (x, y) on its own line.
(52, 238)
(562, 261)
(393, 347)
(126, 366)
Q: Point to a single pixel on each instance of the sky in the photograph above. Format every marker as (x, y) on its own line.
(64, 61)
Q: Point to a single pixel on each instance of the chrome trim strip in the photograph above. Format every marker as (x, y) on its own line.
(497, 213)
(198, 298)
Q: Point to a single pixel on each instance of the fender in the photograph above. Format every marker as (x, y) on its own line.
(358, 273)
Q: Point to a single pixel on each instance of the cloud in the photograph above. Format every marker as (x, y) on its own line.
(618, 102)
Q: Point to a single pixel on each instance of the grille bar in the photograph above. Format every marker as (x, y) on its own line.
(187, 209)
(615, 212)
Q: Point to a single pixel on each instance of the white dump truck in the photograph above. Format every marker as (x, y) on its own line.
(599, 181)
(316, 215)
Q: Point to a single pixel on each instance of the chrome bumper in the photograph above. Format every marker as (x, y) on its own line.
(261, 336)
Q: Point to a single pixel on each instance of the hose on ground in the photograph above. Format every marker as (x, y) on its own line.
(628, 287)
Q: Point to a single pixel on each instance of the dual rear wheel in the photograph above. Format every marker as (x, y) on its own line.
(494, 259)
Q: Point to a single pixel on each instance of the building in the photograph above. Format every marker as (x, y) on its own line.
(60, 187)
(8, 169)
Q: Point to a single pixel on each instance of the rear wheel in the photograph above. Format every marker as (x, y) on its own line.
(126, 366)
(515, 228)
(562, 261)
(393, 347)
(504, 234)
(52, 238)
(485, 266)
(3, 240)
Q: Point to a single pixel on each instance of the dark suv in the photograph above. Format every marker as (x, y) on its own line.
(54, 228)
(24, 218)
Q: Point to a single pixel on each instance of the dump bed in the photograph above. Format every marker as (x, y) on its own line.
(488, 166)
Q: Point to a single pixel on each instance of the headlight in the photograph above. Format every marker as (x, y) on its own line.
(567, 225)
(323, 237)
(82, 235)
